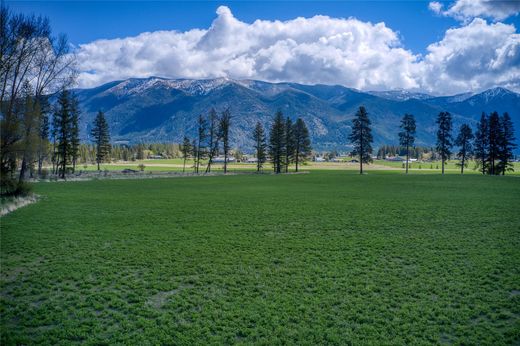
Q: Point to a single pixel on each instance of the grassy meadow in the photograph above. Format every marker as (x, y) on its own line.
(328, 257)
(176, 165)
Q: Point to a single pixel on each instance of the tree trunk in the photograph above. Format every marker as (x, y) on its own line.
(442, 161)
(407, 156)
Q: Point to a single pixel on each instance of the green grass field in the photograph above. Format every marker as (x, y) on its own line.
(329, 257)
(176, 165)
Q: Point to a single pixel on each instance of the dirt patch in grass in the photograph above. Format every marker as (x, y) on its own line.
(159, 299)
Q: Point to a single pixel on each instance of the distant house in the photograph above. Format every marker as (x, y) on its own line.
(252, 160)
(337, 159)
(156, 157)
(319, 159)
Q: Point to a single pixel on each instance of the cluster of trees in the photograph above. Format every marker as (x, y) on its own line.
(494, 143)
(289, 143)
(212, 135)
(130, 152)
(34, 63)
(491, 146)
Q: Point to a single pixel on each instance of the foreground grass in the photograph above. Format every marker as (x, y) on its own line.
(326, 257)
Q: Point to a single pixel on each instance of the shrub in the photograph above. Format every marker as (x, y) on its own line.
(23, 188)
(141, 167)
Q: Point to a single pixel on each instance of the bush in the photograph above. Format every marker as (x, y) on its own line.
(141, 167)
(23, 188)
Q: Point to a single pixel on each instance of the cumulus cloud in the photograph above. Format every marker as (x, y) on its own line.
(473, 57)
(465, 10)
(308, 50)
(313, 50)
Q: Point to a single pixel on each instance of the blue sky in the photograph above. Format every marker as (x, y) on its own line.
(440, 48)
(86, 21)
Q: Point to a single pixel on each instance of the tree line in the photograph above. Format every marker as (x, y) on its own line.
(491, 145)
(34, 64)
(289, 143)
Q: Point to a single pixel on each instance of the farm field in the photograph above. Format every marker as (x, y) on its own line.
(176, 165)
(328, 257)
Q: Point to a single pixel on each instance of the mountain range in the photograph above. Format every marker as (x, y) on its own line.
(158, 110)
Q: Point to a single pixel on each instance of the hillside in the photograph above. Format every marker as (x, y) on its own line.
(158, 109)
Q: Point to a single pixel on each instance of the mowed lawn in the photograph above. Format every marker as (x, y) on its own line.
(320, 258)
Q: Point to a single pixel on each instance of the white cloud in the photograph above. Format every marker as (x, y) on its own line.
(473, 57)
(466, 10)
(313, 50)
(435, 7)
(309, 50)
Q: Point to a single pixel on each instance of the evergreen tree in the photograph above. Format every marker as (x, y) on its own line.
(289, 143)
(463, 141)
(194, 152)
(213, 138)
(186, 151)
(260, 145)
(44, 132)
(101, 135)
(361, 137)
(202, 135)
(74, 134)
(224, 124)
(407, 135)
(482, 144)
(506, 144)
(277, 143)
(302, 142)
(494, 138)
(444, 138)
(63, 123)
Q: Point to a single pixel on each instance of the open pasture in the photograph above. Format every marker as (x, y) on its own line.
(328, 257)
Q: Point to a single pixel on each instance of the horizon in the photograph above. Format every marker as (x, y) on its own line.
(429, 47)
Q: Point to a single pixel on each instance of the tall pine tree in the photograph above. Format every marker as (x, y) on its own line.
(302, 142)
(482, 144)
(444, 138)
(407, 135)
(361, 137)
(74, 134)
(506, 144)
(101, 136)
(213, 138)
(277, 143)
(494, 139)
(260, 146)
(186, 151)
(289, 143)
(463, 141)
(201, 138)
(224, 125)
(63, 124)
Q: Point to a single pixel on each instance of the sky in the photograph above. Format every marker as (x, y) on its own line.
(436, 47)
